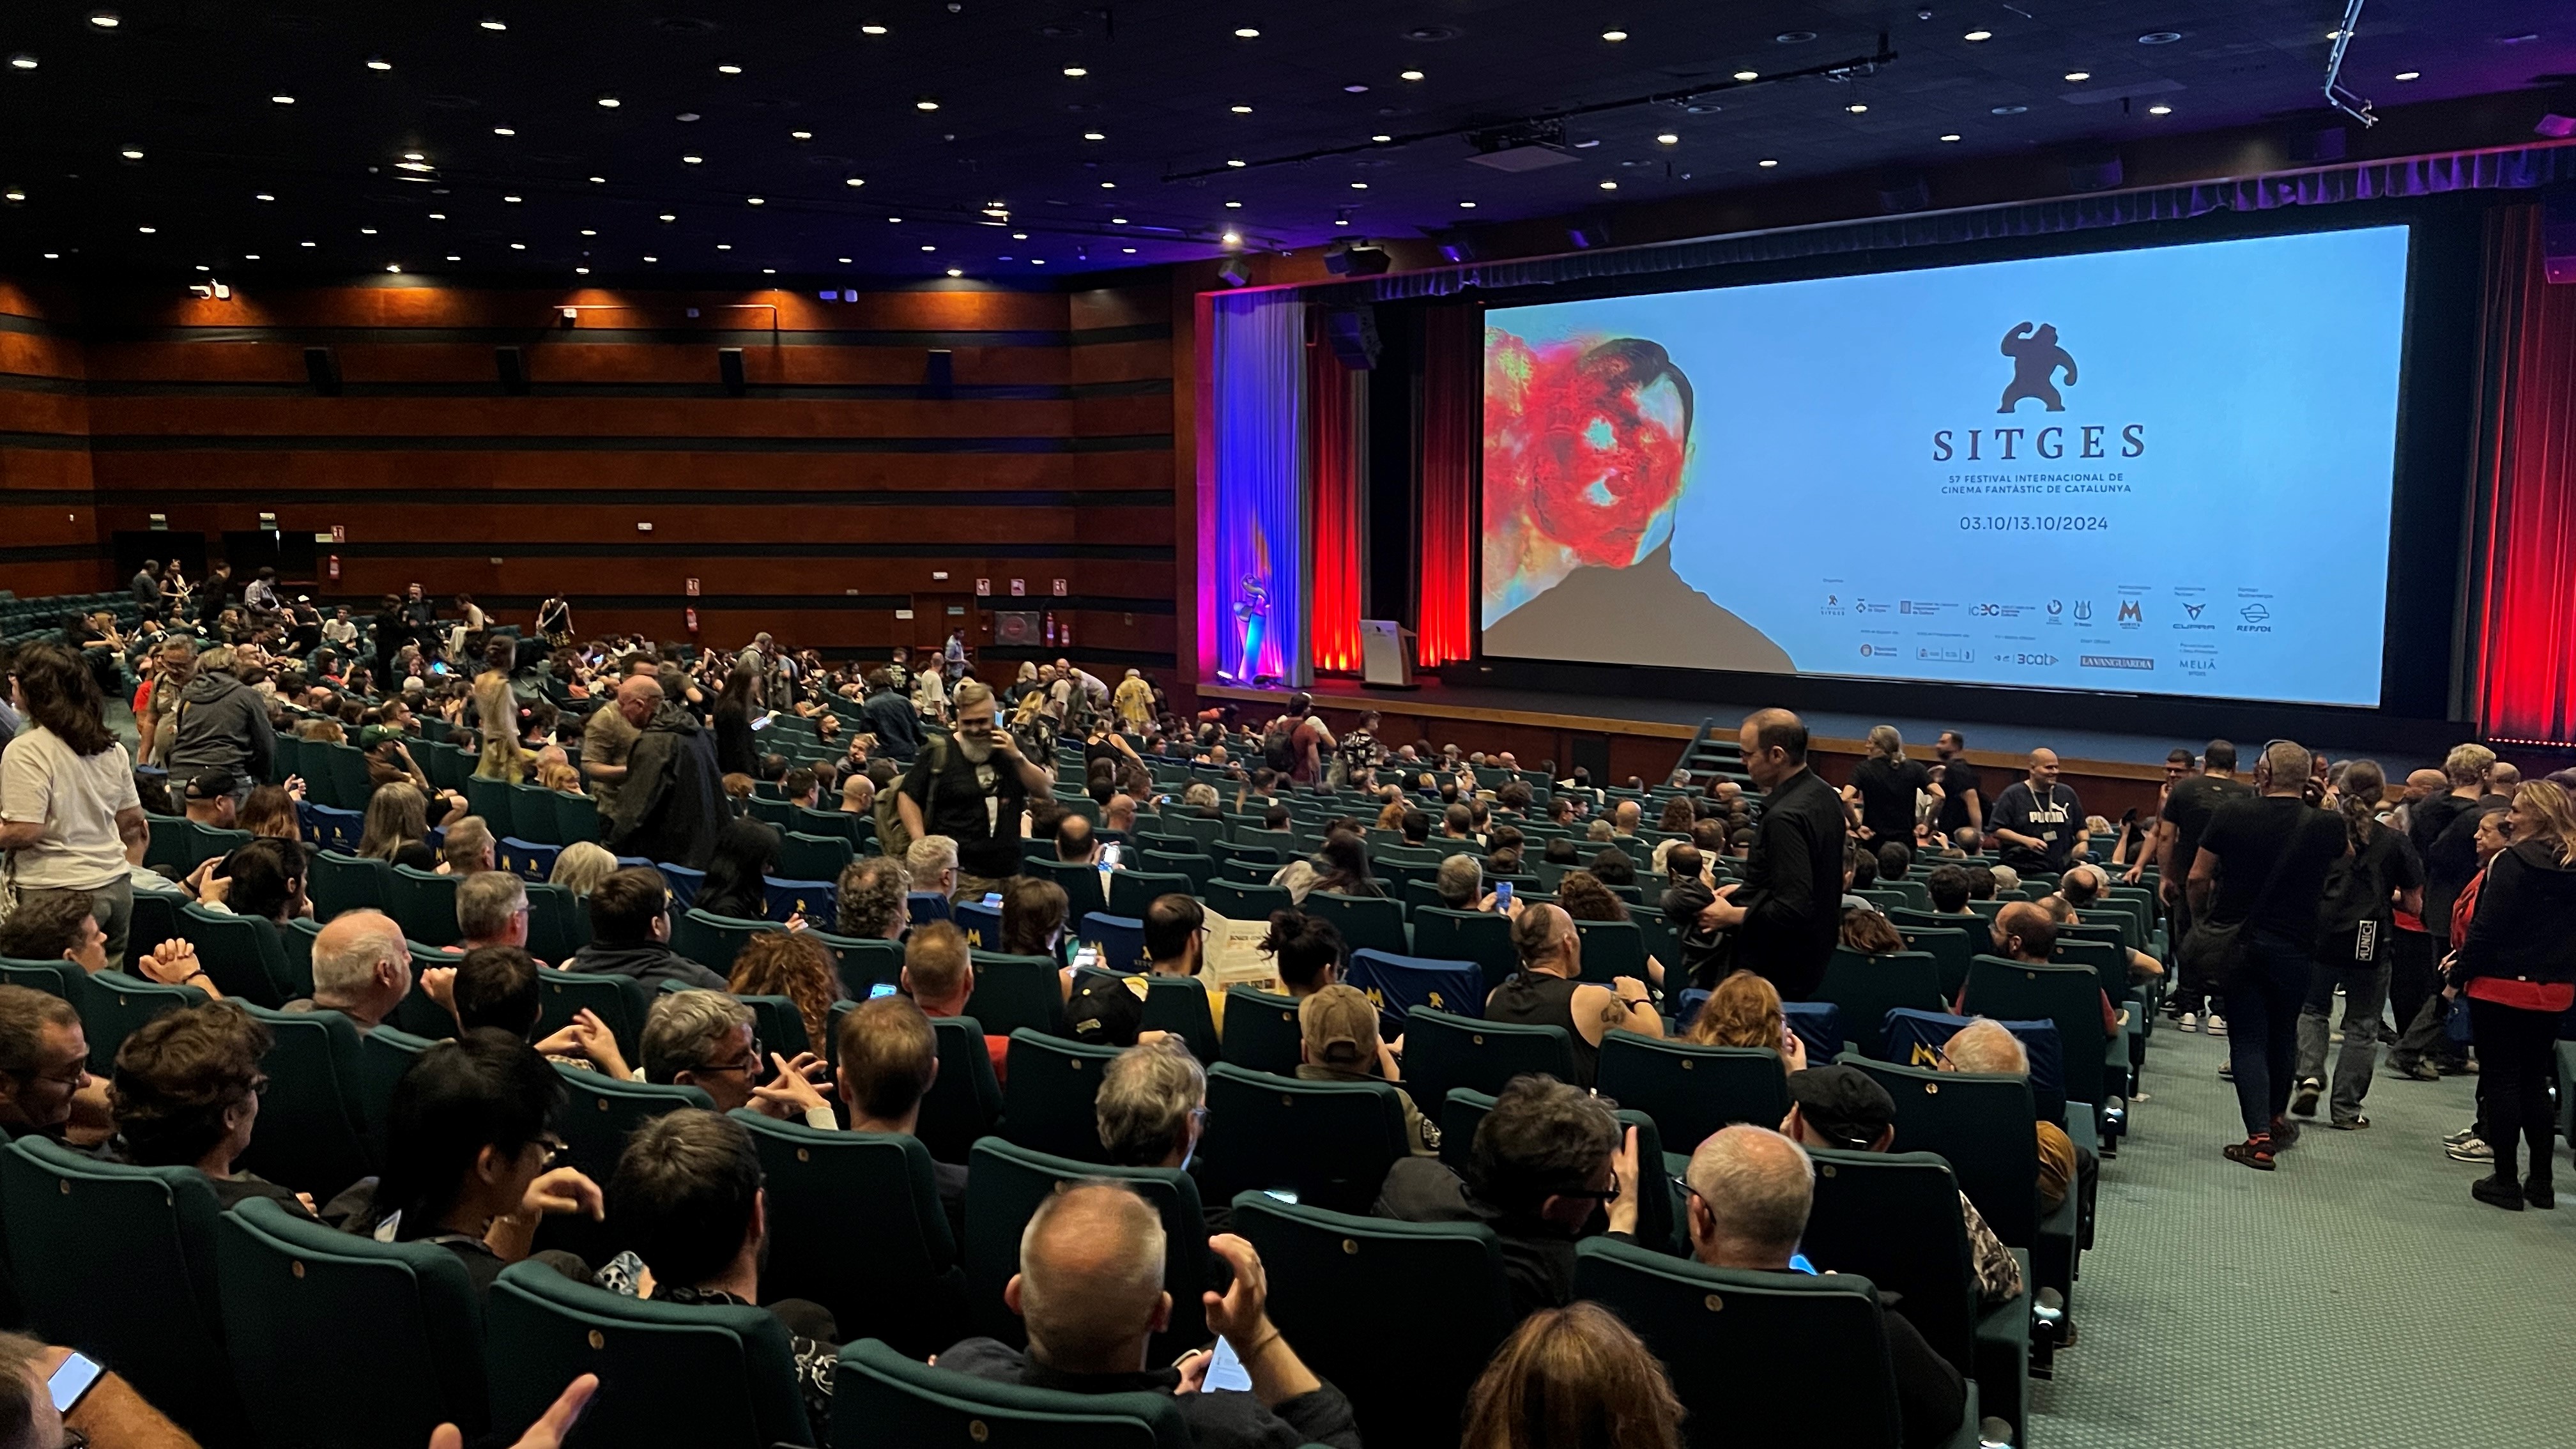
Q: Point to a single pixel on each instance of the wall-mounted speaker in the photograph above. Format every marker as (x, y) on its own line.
(1352, 334)
(512, 365)
(323, 366)
(729, 363)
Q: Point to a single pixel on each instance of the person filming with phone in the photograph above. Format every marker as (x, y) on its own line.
(973, 787)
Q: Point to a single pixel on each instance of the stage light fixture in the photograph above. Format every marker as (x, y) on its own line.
(1235, 272)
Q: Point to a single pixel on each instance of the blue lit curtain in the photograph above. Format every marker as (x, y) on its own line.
(1257, 585)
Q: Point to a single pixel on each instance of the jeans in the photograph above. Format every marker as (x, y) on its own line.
(2514, 1071)
(2263, 996)
(113, 906)
(2364, 984)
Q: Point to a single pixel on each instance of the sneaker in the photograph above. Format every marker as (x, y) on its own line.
(2413, 1072)
(2459, 1069)
(2349, 1124)
(2304, 1101)
(2465, 1134)
(2188, 1021)
(2227, 1071)
(2501, 1192)
(2472, 1150)
(2216, 1025)
(2256, 1153)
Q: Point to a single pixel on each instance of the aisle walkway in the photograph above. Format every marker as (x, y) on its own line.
(2326, 1303)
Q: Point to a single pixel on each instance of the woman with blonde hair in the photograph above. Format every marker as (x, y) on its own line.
(1573, 1378)
(1744, 1011)
(2517, 966)
(559, 775)
(794, 965)
(496, 715)
(1679, 815)
(583, 865)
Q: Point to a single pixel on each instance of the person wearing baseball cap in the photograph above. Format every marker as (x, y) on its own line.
(1339, 1042)
(1845, 1109)
(213, 795)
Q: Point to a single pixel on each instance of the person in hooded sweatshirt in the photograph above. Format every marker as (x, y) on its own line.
(222, 723)
(673, 801)
(630, 935)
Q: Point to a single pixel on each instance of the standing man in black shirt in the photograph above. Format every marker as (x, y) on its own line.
(2262, 866)
(1787, 913)
(2038, 824)
(2443, 831)
(1887, 783)
(2188, 806)
(972, 787)
(1963, 794)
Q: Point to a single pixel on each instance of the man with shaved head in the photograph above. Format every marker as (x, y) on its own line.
(1787, 914)
(672, 802)
(1750, 1189)
(361, 968)
(1090, 1290)
(2262, 868)
(2038, 823)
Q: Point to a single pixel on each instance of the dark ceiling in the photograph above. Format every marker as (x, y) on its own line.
(235, 177)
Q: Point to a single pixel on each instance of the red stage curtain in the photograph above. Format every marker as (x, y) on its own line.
(1332, 444)
(1453, 365)
(2526, 480)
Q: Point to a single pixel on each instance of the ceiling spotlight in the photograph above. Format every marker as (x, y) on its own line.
(686, 116)
(264, 196)
(666, 216)
(104, 19)
(1240, 110)
(1131, 251)
(380, 63)
(413, 166)
(149, 230)
(583, 271)
(1467, 205)
(1237, 161)
(304, 244)
(1952, 136)
(518, 246)
(281, 99)
(2334, 35)
(1609, 185)
(392, 267)
(652, 259)
(769, 271)
(872, 30)
(853, 181)
(504, 131)
(22, 61)
(1614, 35)
(956, 271)
(131, 153)
(728, 70)
(494, 25)
(692, 160)
(1411, 75)
(1766, 162)
(1748, 75)
(1381, 140)
(1668, 139)
(925, 103)
(1235, 205)
(1094, 136)
(757, 200)
(1232, 237)
(1117, 221)
(1359, 186)
(2159, 110)
(894, 221)
(925, 246)
(1075, 71)
(2009, 110)
(1856, 109)
(513, 200)
(1109, 186)
(13, 194)
(415, 156)
(2408, 75)
(1977, 35)
(586, 231)
(1019, 236)
(2079, 75)
(254, 256)
(1037, 261)
(1247, 33)
(599, 181)
(800, 135)
(611, 102)
(1356, 90)
(2160, 37)
(724, 246)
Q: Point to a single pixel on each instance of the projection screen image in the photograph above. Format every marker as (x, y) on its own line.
(2158, 471)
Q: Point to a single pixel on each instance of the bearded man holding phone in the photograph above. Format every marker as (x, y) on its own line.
(973, 787)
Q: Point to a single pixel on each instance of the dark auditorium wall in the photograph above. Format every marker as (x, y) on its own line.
(48, 514)
(815, 506)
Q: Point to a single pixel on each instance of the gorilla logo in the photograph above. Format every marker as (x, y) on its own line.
(2036, 358)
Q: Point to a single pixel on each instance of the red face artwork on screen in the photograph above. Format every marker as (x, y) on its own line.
(1584, 447)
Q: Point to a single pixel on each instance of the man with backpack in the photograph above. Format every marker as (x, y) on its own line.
(1297, 742)
(973, 787)
(2355, 939)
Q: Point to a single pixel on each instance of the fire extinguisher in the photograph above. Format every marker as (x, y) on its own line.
(1064, 633)
(335, 567)
(1047, 619)
(693, 619)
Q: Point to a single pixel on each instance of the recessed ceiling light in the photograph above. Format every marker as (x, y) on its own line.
(925, 103)
(1614, 35)
(1381, 139)
(53, 256)
(1109, 186)
(380, 63)
(254, 256)
(894, 220)
(611, 102)
(393, 267)
(1411, 75)
(1766, 162)
(1359, 186)
(666, 216)
(149, 230)
(504, 131)
(2079, 75)
(1856, 109)
(1748, 75)
(1236, 161)
(1609, 185)
(1019, 236)
(1247, 33)
(513, 200)
(304, 244)
(495, 25)
(264, 196)
(586, 231)
(518, 246)
(281, 99)
(872, 30)
(1232, 238)
(692, 160)
(724, 246)
(1952, 136)
(1793, 37)
(2408, 75)
(1240, 110)
(2010, 110)
(1977, 35)
(583, 271)
(728, 70)
(757, 200)
(1356, 90)
(131, 153)
(2334, 35)
(24, 61)
(1467, 205)
(925, 246)
(1117, 221)
(1076, 71)
(1037, 261)
(844, 261)
(685, 116)
(853, 181)
(104, 19)
(13, 194)
(769, 271)
(1669, 139)
(956, 271)
(2160, 37)
(1094, 136)
(599, 181)
(800, 135)
(1236, 205)
(652, 259)
(1131, 251)
(2159, 110)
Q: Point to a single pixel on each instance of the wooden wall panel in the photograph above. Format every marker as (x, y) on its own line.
(48, 512)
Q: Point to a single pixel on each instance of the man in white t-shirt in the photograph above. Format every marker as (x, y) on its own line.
(67, 800)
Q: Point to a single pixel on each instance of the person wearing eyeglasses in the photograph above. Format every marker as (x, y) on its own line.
(45, 1086)
(704, 1039)
(186, 1093)
(1550, 1166)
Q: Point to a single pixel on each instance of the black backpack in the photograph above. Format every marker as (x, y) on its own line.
(2354, 915)
(1279, 746)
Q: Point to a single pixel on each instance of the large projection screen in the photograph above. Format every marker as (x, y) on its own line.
(2165, 470)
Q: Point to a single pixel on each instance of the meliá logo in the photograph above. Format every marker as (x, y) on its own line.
(2037, 357)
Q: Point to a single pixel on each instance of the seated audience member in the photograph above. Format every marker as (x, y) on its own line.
(1613, 867)
(1550, 1166)
(930, 863)
(690, 1199)
(1846, 1109)
(1338, 1042)
(1982, 883)
(939, 976)
(491, 910)
(1949, 889)
(1584, 896)
(1461, 884)
(469, 847)
(1416, 828)
(858, 795)
(396, 827)
(791, 964)
(630, 934)
(1750, 1191)
(1870, 933)
(2081, 887)
(889, 1056)
(261, 881)
(467, 1140)
(1548, 989)
(2021, 931)
(581, 867)
(704, 1039)
(1967, 842)
(1573, 1376)
(1744, 1011)
(270, 811)
(1860, 869)
(745, 854)
(186, 1094)
(1074, 842)
(1033, 918)
(212, 798)
(1151, 1108)
(869, 900)
(800, 788)
(361, 969)
(1307, 951)
(57, 926)
(1988, 1046)
(2007, 881)
(1090, 1290)
(46, 1089)
(1561, 851)
(496, 986)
